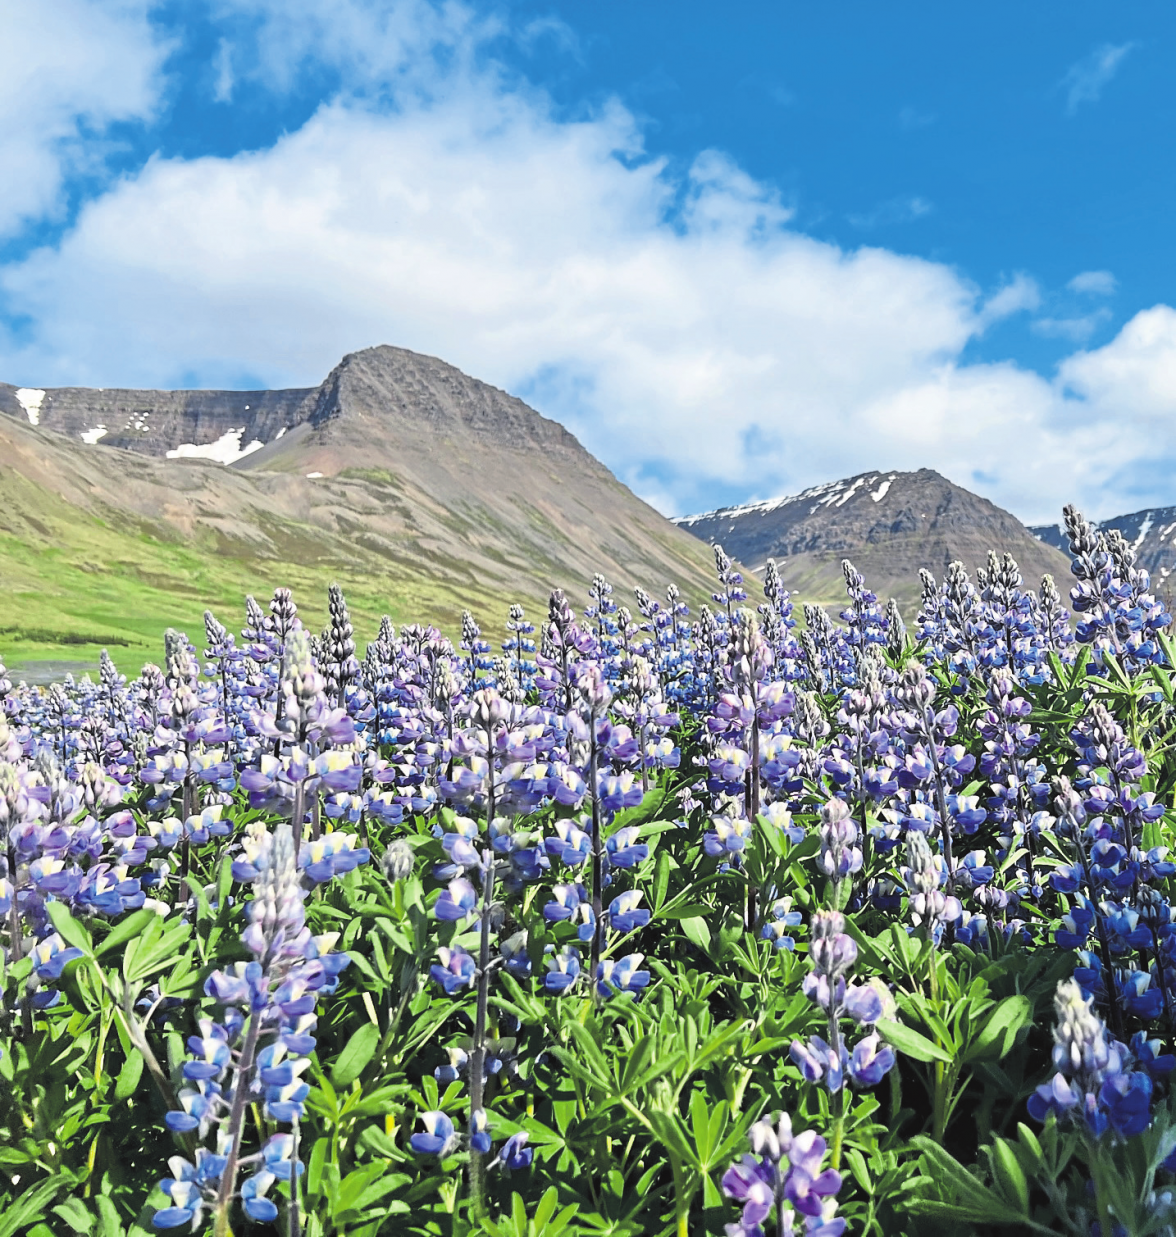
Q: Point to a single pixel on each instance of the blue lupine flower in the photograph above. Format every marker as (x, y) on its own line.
(334, 854)
(51, 955)
(1091, 1080)
(253, 1200)
(514, 954)
(479, 1132)
(619, 790)
(623, 849)
(728, 836)
(571, 845)
(459, 901)
(563, 968)
(439, 1138)
(456, 1066)
(514, 1155)
(191, 1188)
(454, 969)
(624, 914)
(780, 917)
(565, 899)
(615, 975)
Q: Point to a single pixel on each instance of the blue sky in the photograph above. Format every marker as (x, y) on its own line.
(739, 249)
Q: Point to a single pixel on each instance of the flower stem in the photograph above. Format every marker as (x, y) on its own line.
(478, 1056)
(597, 892)
(228, 1185)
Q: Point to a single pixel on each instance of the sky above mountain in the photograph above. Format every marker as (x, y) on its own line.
(738, 249)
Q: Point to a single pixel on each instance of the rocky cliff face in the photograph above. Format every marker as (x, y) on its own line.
(889, 524)
(217, 425)
(409, 395)
(1152, 534)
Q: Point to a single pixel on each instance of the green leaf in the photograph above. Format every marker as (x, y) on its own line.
(1000, 1029)
(124, 930)
(951, 1177)
(111, 1226)
(73, 1212)
(129, 1075)
(70, 931)
(697, 931)
(683, 910)
(359, 1050)
(314, 1169)
(36, 1198)
(910, 1042)
(661, 881)
(1009, 1173)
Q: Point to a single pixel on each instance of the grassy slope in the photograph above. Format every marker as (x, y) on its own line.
(72, 584)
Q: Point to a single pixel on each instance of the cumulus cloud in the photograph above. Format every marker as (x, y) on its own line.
(1085, 79)
(677, 320)
(71, 69)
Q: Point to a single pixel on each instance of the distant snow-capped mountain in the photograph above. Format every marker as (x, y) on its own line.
(889, 524)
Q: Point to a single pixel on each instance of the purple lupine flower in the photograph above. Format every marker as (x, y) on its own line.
(1091, 1078)
(453, 969)
(923, 876)
(838, 832)
(784, 1173)
(833, 954)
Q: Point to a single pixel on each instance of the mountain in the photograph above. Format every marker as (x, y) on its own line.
(421, 490)
(1151, 533)
(889, 525)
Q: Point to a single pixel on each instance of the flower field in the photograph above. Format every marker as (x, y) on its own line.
(645, 923)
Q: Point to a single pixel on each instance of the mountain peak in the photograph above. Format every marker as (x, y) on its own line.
(890, 523)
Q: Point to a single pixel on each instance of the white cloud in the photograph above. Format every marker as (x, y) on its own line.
(1019, 295)
(1094, 283)
(1085, 79)
(1133, 378)
(680, 324)
(70, 70)
(1079, 329)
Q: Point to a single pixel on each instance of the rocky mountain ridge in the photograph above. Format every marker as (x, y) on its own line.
(890, 524)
